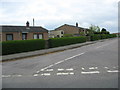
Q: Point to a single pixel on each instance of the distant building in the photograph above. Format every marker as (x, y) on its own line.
(22, 32)
(68, 29)
(54, 33)
(118, 34)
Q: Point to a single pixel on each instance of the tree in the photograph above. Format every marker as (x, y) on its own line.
(98, 29)
(94, 29)
(82, 33)
(104, 31)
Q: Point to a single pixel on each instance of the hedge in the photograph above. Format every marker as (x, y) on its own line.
(112, 35)
(18, 46)
(95, 37)
(56, 42)
(102, 36)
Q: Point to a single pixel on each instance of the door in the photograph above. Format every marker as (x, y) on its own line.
(24, 36)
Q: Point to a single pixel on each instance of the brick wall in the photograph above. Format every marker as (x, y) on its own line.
(69, 29)
(18, 35)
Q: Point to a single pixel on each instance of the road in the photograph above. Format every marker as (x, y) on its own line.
(90, 66)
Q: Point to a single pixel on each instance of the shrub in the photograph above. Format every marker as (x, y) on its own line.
(18, 46)
(68, 35)
(112, 35)
(56, 42)
(95, 37)
(101, 36)
(104, 36)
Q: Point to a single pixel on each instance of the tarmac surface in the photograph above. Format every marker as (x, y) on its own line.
(90, 66)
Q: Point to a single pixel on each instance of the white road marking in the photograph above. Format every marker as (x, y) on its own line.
(46, 74)
(83, 68)
(19, 75)
(11, 76)
(106, 67)
(49, 70)
(70, 69)
(60, 69)
(92, 72)
(16, 75)
(62, 61)
(35, 75)
(37, 71)
(74, 56)
(59, 62)
(47, 67)
(62, 73)
(113, 71)
(42, 70)
(50, 66)
(6, 75)
(71, 73)
(91, 68)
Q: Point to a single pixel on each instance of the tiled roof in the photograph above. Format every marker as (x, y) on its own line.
(22, 29)
(71, 26)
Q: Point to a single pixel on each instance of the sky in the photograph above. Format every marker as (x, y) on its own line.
(51, 14)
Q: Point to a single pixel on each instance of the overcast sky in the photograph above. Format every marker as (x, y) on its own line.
(53, 13)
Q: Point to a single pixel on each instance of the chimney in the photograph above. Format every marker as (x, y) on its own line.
(33, 22)
(27, 24)
(76, 24)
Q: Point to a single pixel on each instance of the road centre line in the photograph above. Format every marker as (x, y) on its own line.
(6, 75)
(62, 61)
(49, 70)
(68, 58)
(102, 46)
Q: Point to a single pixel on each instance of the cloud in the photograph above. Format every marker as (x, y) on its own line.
(52, 13)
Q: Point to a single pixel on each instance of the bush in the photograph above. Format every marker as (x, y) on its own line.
(18, 46)
(68, 35)
(56, 42)
(95, 37)
(112, 35)
(104, 36)
(101, 36)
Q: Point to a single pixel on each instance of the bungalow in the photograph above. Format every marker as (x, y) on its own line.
(68, 29)
(23, 32)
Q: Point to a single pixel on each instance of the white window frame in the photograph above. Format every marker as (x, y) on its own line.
(37, 36)
(8, 38)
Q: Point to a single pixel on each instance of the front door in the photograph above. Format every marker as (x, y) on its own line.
(24, 36)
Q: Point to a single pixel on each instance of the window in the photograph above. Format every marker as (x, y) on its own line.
(24, 36)
(62, 32)
(38, 36)
(35, 36)
(58, 36)
(9, 37)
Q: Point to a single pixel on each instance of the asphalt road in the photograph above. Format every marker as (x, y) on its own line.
(91, 66)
